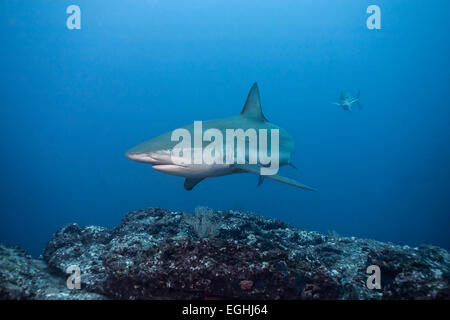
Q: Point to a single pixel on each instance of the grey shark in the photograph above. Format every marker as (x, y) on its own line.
(346, 101)
(158, 151)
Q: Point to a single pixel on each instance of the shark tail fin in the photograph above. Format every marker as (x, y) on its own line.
(357, 97)
(290, 181)
(256, 170)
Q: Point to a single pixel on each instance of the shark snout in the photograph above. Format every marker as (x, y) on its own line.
(149, 157)
(139, 157)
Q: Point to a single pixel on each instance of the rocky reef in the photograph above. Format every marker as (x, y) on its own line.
(23, 277)
(159, 254)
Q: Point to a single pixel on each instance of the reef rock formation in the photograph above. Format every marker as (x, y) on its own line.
(159, 254)
(22, 277)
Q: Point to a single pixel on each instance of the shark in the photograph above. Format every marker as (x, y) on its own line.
(158, 151)
(346, 101)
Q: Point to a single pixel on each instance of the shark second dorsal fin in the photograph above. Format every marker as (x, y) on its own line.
(252, 107)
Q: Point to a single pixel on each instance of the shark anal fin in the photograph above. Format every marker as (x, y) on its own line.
(292, 165)
(256, 170)
(190, 183)
(260, 180)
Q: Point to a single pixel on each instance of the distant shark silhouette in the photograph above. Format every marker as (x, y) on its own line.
(157, 151)
(346, 101)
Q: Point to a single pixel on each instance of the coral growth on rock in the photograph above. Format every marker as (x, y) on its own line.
(159, 254)
(22, 277)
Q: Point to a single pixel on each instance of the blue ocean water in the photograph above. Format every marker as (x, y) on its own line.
(73, 101)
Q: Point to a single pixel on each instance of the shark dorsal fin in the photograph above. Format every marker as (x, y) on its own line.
(252, 107)
(345, 95)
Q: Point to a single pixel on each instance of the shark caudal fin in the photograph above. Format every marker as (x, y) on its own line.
(290, 181)
(252, 107)
(358, 102)
(256, 170)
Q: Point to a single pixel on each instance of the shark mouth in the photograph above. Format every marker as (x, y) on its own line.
(170, 169)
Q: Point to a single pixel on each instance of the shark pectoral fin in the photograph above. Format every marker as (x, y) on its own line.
(190, 183)
(256, 170)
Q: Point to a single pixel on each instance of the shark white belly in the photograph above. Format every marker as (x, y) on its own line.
(195, 171)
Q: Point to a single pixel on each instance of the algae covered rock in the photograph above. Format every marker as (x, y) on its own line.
(159, 254)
